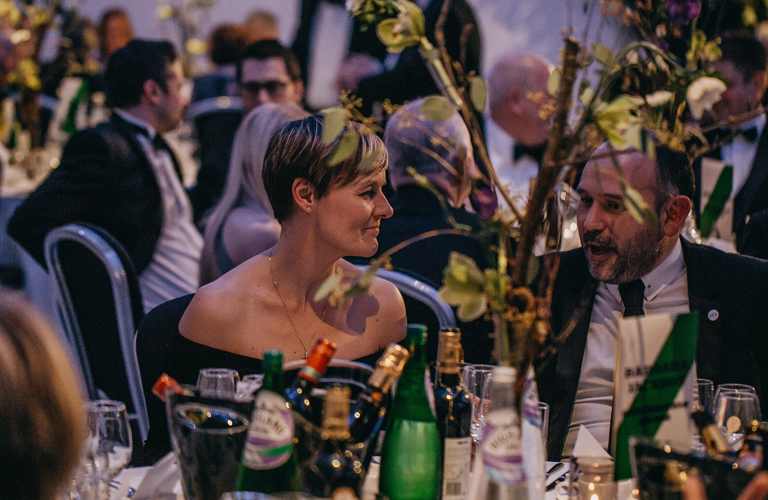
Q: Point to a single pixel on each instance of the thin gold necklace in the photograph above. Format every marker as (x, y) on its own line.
(287, 313)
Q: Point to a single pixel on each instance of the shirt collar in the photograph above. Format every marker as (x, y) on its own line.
(661, 276)
(151, 132)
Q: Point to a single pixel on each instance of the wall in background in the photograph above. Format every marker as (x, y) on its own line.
(507, 26)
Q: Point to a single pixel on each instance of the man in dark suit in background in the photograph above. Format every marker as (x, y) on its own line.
(266, 72)
(625, 268)
(122, 176)
(451, 170)
(743, 64)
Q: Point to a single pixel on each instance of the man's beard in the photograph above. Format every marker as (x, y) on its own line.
(633, 261)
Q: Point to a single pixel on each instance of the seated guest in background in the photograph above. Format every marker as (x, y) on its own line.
(122, 176)
(217, 119)
(450, 168)
(114, 32)
(242, 224)
(630, 269)
(41, 406)
(743, 64)
(266, 72)
(517, 134)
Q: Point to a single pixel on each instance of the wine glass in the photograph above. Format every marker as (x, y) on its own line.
(110, 443)
(478, 379)
(219, 383)
(734, 410)
(704, 394)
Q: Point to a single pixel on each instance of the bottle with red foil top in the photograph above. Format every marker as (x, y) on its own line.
(166, 382)
(298, 393)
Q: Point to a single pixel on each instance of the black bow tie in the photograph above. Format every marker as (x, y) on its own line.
(158, 143)
(749, 135)
(725, 135)
(534, 152)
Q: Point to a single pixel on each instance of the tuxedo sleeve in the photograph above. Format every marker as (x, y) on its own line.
(72, 192)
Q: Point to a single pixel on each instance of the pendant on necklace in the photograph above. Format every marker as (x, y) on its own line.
(306, 354)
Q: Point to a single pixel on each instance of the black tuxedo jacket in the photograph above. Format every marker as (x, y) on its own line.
(753, 196)
(732, 345)
(104, 178)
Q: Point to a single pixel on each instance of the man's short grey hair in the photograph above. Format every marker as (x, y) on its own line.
(413, 140)
(513, 71)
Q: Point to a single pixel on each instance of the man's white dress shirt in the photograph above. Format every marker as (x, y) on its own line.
(666, 292)
(175, 266)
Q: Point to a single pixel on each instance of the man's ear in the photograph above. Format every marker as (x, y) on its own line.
(303, 194)
(675, 213)
(152, 91)
(299, 91)
(759, 82)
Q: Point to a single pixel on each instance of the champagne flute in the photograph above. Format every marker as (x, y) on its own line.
(110, 443)
(478, 380)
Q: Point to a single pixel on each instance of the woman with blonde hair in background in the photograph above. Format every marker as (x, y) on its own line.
(41, 406)
(242, 224)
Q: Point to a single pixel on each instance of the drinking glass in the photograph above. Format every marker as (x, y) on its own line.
(479, 379)
(544, 410)
(734, 410)
(220, 383)
(738, 388)
(703, 397)
(109, 443)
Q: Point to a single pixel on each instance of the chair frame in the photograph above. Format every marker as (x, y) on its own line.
(123, 309)
(424, 293)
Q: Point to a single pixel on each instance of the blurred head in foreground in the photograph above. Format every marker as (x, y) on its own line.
(41, 406)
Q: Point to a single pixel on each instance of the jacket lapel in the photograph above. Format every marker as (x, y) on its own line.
(753, 186)
(702, 297)
(128, 131)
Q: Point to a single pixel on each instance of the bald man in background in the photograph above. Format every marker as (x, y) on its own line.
(517, 134)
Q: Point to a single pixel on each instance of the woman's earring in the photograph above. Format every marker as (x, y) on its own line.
(309, 209)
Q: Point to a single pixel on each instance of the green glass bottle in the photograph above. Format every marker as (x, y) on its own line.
(269, 462)
(410, 454)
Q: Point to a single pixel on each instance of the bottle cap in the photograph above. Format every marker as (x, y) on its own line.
(504, 375)
(449, 351)
(164, 382)
(318, 360)
(417, 331)
(273, 359)
(389, 367)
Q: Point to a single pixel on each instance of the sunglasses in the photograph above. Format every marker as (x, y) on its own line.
(273, 87)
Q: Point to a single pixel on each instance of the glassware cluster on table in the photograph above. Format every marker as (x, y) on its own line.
(319, 435)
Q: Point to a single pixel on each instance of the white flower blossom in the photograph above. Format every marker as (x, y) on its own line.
(658, 98)
(353, 5)
(703, 93)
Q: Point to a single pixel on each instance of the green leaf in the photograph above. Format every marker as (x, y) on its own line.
(636, 206)
(470, 311)
(437, 108)
(604, 55)
(477, 92)
(367, 162)
(417, 17)
(554, 82)
(344, 149)
(328, 286)
(395, 42)
(333, 124)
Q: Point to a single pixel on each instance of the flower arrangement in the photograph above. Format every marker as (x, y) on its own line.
(186, 15)
(650, 92)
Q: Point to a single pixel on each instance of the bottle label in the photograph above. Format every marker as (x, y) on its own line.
(270, 434)
(457, 454)
(502, 447)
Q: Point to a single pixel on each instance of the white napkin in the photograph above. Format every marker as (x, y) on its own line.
(160, 480)
(587, 446)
